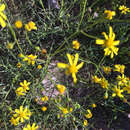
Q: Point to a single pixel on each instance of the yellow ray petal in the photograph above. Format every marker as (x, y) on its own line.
(2, 7)
(76, 58)
(80, 65)
(100, 41)
(2, 22)
(70, 59)
(3, 16)
(105, 35)
(62, 65)
(115, 43)
(74, 78)
(110, 32)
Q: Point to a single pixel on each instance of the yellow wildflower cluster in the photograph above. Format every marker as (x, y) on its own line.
(61, 88)
(121, 84)
(23, 89)
(106, 69)
(72, 67)
(20, 115)
(18, 24)
(124, 9)
(88, 115)
(29, 127)
(109, 44)
(109, 14)
(76, 44)
(3, 17)
(31, 59)
(30, 26)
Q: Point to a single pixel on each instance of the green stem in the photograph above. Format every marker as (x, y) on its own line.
(83, 13)
(87, 35)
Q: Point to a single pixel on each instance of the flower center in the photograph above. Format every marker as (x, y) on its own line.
(73, 69)
(109, 43)
(21, 114)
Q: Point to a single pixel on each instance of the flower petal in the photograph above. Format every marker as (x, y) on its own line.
(70, 59)
(62, 65)
(115, 43)
(2, 7)
(80, 65)
(100, 41)
(76, 58)
(105, 35)
(74, 78)
(110, 32)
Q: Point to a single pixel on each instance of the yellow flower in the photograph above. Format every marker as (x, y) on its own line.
(19, 65)
(25, 85)
(2, 16)
(109, 14)
(95, 79)
(43, 51)
(18, 24)
(61, 88)
(106, 69)
(20, 91)
(122, 80)
(109, 43)
(89, 114)
(21, 55)
(30, 58)
(93, 105)
(39, 67)
(10, 46)
(117, 92)
(72, 67)
(104, 83)
(29, 127)
(119, 68)
(44, 108)
(124, 9)
(30, 26)
(127, 87)
(44, 99)
(76, 44)
(22, 114)
(71, 109)
(85, 123)
(13, 121)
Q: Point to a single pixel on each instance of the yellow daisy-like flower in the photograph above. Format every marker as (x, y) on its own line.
(109, 14)
(10, 46)
(22, 114)
(61, 88)
(95, 79)
(25, 85)
(29, 127)
(2, 16)
(89, 114)
(76, 44)
(72, 67)
(20, 91)
(93, 105)
(13, 121)
(117, 92)
(122, 80)
(109, 43)
(85, 123)
(127, 87)
(44, 108)
(39, 67)
(106, 69)
(104, 83)
(19, 65)
(30, 58)
(119, 68)
(30, 26)
(18, 24)
(124, 9)
(44, 99)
